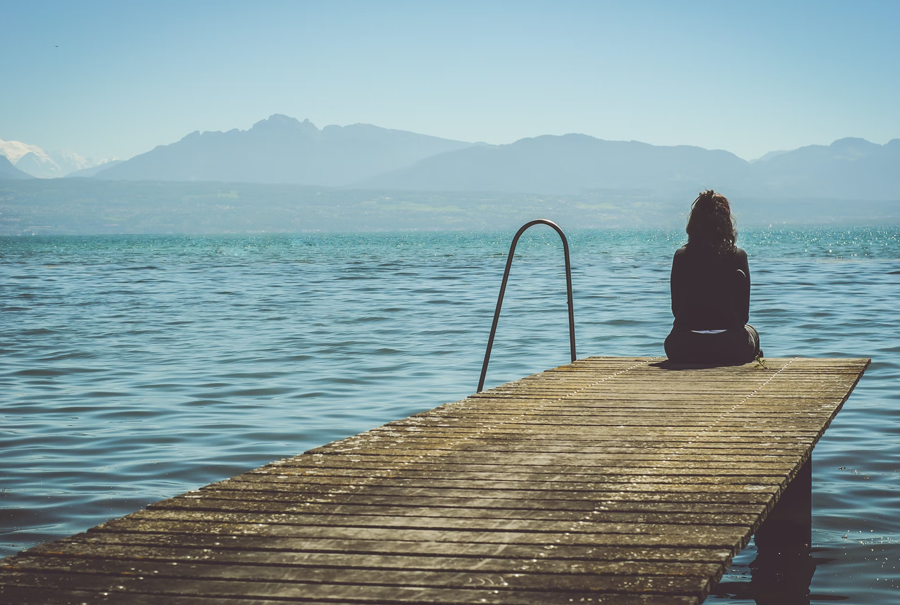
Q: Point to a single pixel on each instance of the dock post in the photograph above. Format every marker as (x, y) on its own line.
(783, 569)
(789, 524)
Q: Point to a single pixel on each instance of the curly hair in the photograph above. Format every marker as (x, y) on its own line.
(711, 225)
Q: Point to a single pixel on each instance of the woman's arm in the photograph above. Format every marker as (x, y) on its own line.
(744, 307)
(675, 284)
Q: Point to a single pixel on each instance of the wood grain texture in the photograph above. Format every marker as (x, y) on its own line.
(608, 480)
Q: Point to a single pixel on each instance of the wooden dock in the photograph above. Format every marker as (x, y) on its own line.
(609, 480)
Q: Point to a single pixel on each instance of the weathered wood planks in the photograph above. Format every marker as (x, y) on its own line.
(608, 480)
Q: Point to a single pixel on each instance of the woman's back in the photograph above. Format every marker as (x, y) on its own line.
(708, 293)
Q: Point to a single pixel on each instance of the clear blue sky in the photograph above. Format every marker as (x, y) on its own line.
(748, 77)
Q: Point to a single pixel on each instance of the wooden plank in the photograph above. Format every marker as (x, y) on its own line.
(123, 590)
(189, 572)
(736, 514)
(224, 558)
(718, 537)
(639, 524)
(608, 480)
(474, 552)
(465, 506)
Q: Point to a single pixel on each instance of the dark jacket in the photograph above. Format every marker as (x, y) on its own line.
(708, 292)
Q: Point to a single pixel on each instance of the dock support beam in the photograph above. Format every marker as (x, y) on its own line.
(790, 522)
(783, 569)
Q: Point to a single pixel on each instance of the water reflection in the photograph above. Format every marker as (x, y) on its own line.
(779, 577)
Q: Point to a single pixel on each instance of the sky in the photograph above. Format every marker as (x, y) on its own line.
(115, 79)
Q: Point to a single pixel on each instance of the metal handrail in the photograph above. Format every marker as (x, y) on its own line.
(509, 259)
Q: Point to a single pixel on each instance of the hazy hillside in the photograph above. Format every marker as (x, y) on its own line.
(8, 171)
(34, 161)
(847, 169)
(282, 149)
(39, 166)
(568, 164)
(94, 170)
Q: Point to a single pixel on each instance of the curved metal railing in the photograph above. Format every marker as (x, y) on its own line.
(509, 259)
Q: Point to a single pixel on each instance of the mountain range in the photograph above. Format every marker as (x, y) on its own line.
(36, 162)
(848, 168)
(566, 164)
(284, 150)
(94, 170)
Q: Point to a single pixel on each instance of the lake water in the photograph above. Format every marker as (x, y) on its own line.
(136, 368)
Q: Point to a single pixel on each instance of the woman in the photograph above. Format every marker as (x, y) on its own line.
(711, 290)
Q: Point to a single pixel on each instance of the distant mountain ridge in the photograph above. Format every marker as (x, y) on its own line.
(93, 170)
(282, 149)
(10, 172)
(566, 164)
(848, 168)
(42, 164)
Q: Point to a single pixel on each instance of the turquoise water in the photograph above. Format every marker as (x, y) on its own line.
(137, 367)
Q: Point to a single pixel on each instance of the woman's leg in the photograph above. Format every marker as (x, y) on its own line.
(671, 346)
(731, 346)
(757, 350)
(681, 346)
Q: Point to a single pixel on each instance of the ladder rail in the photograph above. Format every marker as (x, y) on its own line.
(509, 260)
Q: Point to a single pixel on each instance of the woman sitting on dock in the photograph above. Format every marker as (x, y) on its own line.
(711, 290)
